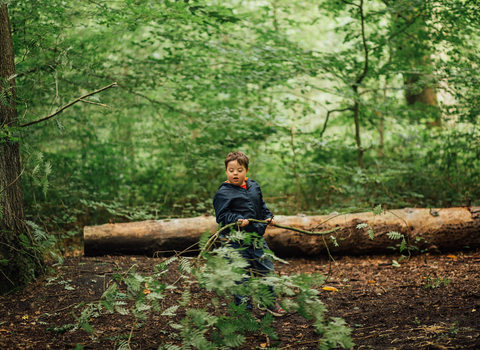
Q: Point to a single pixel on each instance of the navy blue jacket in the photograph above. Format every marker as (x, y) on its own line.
(232, 203)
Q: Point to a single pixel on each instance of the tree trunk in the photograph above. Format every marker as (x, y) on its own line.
(417, 53)
(452, 229)
(357, 135)
(18, 263)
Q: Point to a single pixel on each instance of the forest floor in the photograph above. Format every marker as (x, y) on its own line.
(429, 302)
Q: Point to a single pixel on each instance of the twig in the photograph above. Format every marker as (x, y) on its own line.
(368, 336)
(331, 259)
(214, 237)
(408, 228)
(94, 103)
(56, 89)
(334, 216)
(13, 181)
(130, 337)
(328, 116)
(7, 277)
(318, 233)
(68, 105)
(18, 250)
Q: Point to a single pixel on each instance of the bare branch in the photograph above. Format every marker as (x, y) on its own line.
(365, 68)
(151, 100)
(350, 3)
(68, 105)
(94, 103)
(328, 115)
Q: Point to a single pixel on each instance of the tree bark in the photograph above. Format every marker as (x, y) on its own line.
(418, 54)
(18, 263)
(355, 89)
(452, 229)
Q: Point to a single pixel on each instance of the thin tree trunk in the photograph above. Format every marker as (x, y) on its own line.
(357, 135)
(355, 89)
(419, 55)
(18, 263)
(381, 117)
(292, 144)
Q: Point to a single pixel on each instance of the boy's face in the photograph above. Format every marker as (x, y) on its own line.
(236, 173)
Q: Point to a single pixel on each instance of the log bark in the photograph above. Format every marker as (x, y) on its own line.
(451, 229)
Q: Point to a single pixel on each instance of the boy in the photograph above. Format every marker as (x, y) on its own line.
(238, 200)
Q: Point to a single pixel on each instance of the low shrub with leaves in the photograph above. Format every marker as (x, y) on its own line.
(431, 283)
(218, 270)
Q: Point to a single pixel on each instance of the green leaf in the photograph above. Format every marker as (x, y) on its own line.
(394, 235)
(378, 210)
(371, 234)
(395, 263)
(334, 241)
(87, 328)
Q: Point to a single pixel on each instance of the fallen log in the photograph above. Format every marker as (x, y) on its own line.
(447, 229)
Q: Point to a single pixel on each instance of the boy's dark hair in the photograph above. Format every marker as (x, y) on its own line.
(240, 157)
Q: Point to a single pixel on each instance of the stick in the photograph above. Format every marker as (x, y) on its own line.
(67, 105)
(311, 233)
(94, 103)
(214, 237)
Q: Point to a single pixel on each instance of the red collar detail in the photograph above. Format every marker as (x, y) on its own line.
(243, 186)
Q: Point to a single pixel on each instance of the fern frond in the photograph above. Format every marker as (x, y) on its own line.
(185, 266)
(170, 311)
(204, 239)
(156, 305)
(60, 126)
(122, 310)
(394, 235)
(123, 345)
(170, 260)
(371, 234)
(140, 307)
(176, 325)
(185, 298)
(39, 157)
(169, 347)
(403, 245)
(270, 254)
(38, 233)
(37, 168)
(234, 340)
(378, 210)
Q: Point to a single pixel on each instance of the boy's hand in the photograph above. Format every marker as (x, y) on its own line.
(244, 222)
(271, 222)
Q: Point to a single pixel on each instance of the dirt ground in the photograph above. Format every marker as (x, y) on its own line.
(429, 302)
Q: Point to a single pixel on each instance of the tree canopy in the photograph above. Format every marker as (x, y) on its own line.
(339, 104)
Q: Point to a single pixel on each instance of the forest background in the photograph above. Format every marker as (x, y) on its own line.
(340, 105)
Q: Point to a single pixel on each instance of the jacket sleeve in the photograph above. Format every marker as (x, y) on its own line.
(266, 213)
(223, 214)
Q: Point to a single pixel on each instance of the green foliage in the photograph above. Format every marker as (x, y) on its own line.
(437, 283)
(378, 210)
(140, 295)
(277, 80)
(336, 333)
(394, 235)
(188, 73)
